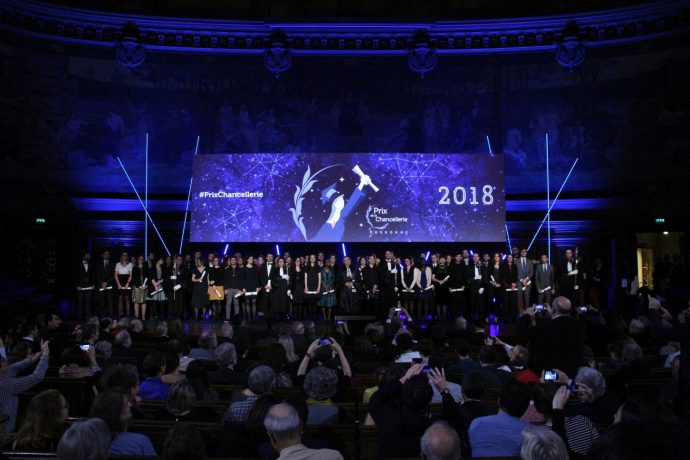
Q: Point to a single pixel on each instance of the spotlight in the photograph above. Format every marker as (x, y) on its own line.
(344, 250)
(225, 251)
(277, 250)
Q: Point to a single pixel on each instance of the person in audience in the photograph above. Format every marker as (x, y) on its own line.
(465, 365)
(184, 442)
(556, 343)
(85, 440)
(634, 410)
(633, 369)
(277, 359)
(136, 329)
(519, 362)
(44, 422)
(400, 410)
(473, 389)
(197, 375)
(320, 385)
(207, 346)
(245, 438)
(106, 332)
(126, 378)
(404, 343)
(578, 431)
(284, 430)
(500, 435)
(14, 382)
(596, 402)
(226, 358)
(123, 346)
(104, 350)
(77, 363)
(328, 354)
(181, 406)
(286, 341)
(260, 382)
(153, 387)
(651, 439)
(488, 370)
(541, 444)
(173, 373)
(113, 407)
(615, 350)
(440, 442)
(161, 330)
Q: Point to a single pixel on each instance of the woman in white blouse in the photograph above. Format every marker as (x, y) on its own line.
(123, 279)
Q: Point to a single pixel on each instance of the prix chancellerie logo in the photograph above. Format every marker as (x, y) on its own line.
(379, 220)
(224, 194)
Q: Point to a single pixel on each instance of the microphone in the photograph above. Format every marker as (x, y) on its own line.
(357, 170)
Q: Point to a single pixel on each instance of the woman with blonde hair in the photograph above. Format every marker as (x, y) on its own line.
(44, 422)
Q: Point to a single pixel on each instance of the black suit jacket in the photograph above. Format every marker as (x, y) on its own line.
(341, 276)
(370, 276)
(104, 275)
(82, 277)
(483, 271)
(457, 274)
(264, 275)
(509, 274)
(387, 279)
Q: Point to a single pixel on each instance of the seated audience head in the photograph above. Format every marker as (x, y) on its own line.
(543, 395)
(426, 347)
(162, 329)
(289, 345)
(321, 383)
(123, 376)
(106, 324)
(87, 440)
(90, 333)
(181, 398)
(460, 323)
(123, 339)
(539, 443)
(519, 355)
(473, 385)
(283, 426)
(177, 347)
(440, 442)
(154, 364)
(561, 306)
(323, 354)
(404, 342)
(114, 408)
(634, 410)
(632, 355)
(44, 421)
(73, 354)
(462, 348)
(261, 380)
(172, 362)
(136, 326)
(417, 394)
(226, 355)
(297, 328)
(208, 340)
(104, 349)
(487, 355)
(514, 399)
(197, 375)
(590, 384)
(184, 442)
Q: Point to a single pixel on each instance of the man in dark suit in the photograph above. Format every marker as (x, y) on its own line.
(105, 277)
(344, 283)
(177, 280)
(477, 278)
(232, 282)
(570, 278)
(525, 269)
(388, 283)
(266, 275)
(556, 343)
(544, 280)
(84, 280)
(456, 285)
(370, 278)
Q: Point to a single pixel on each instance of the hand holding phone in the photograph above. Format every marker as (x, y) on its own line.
(550, 376)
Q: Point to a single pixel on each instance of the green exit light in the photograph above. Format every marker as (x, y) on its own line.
(660, 220)
(40, 220)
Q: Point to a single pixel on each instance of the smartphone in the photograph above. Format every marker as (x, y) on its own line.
(340, 321)
(403, 317)
(85, 347)
(493, 330)
(398, 309)
(426, 369)
(550, 376)
(583, 309)
(324, 341)
(538, 307)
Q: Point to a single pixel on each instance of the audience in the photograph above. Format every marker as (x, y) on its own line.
(440, 442)
(596, 403)
(173, 373)
(542, 444)
(153, 386)
(320, 385)
(181, 405)
(500, 435)
(113, 407)
(184, 442)
(487, 368)
(77, 363)
(465, 364)
(197, 375)
(260, 382)
(126, 378)
(284, 430)
(226, 358)
(85, 440)
(44, 422)
(207, 346)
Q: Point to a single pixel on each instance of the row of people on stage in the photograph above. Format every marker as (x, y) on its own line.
(503, 285)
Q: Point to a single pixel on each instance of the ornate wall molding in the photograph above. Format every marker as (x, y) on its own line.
(205, 36)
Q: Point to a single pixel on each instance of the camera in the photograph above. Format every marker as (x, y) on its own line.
(583, 309)
(539, 308)
(85, 347)
(550, 376)
(324, 341)
(426, 369)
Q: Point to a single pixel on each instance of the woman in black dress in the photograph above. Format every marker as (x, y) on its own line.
(250, 288)
(312, 285)
(297, 288)
(199, 288)
(441, 293)
(280, 283)
(139, 290)
(216, 291)
(408, 288)
(495, 293)
(509, 279)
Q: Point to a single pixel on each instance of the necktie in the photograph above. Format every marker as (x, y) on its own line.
(544, 268)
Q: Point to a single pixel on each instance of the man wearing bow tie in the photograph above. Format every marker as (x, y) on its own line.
(525, 273)
(266, 275)
(477, 279)
(388, 276)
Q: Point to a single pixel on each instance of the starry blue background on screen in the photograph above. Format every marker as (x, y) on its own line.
(306, 197)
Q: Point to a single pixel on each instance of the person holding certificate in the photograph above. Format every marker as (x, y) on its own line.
(328, 298)
(199, 288)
